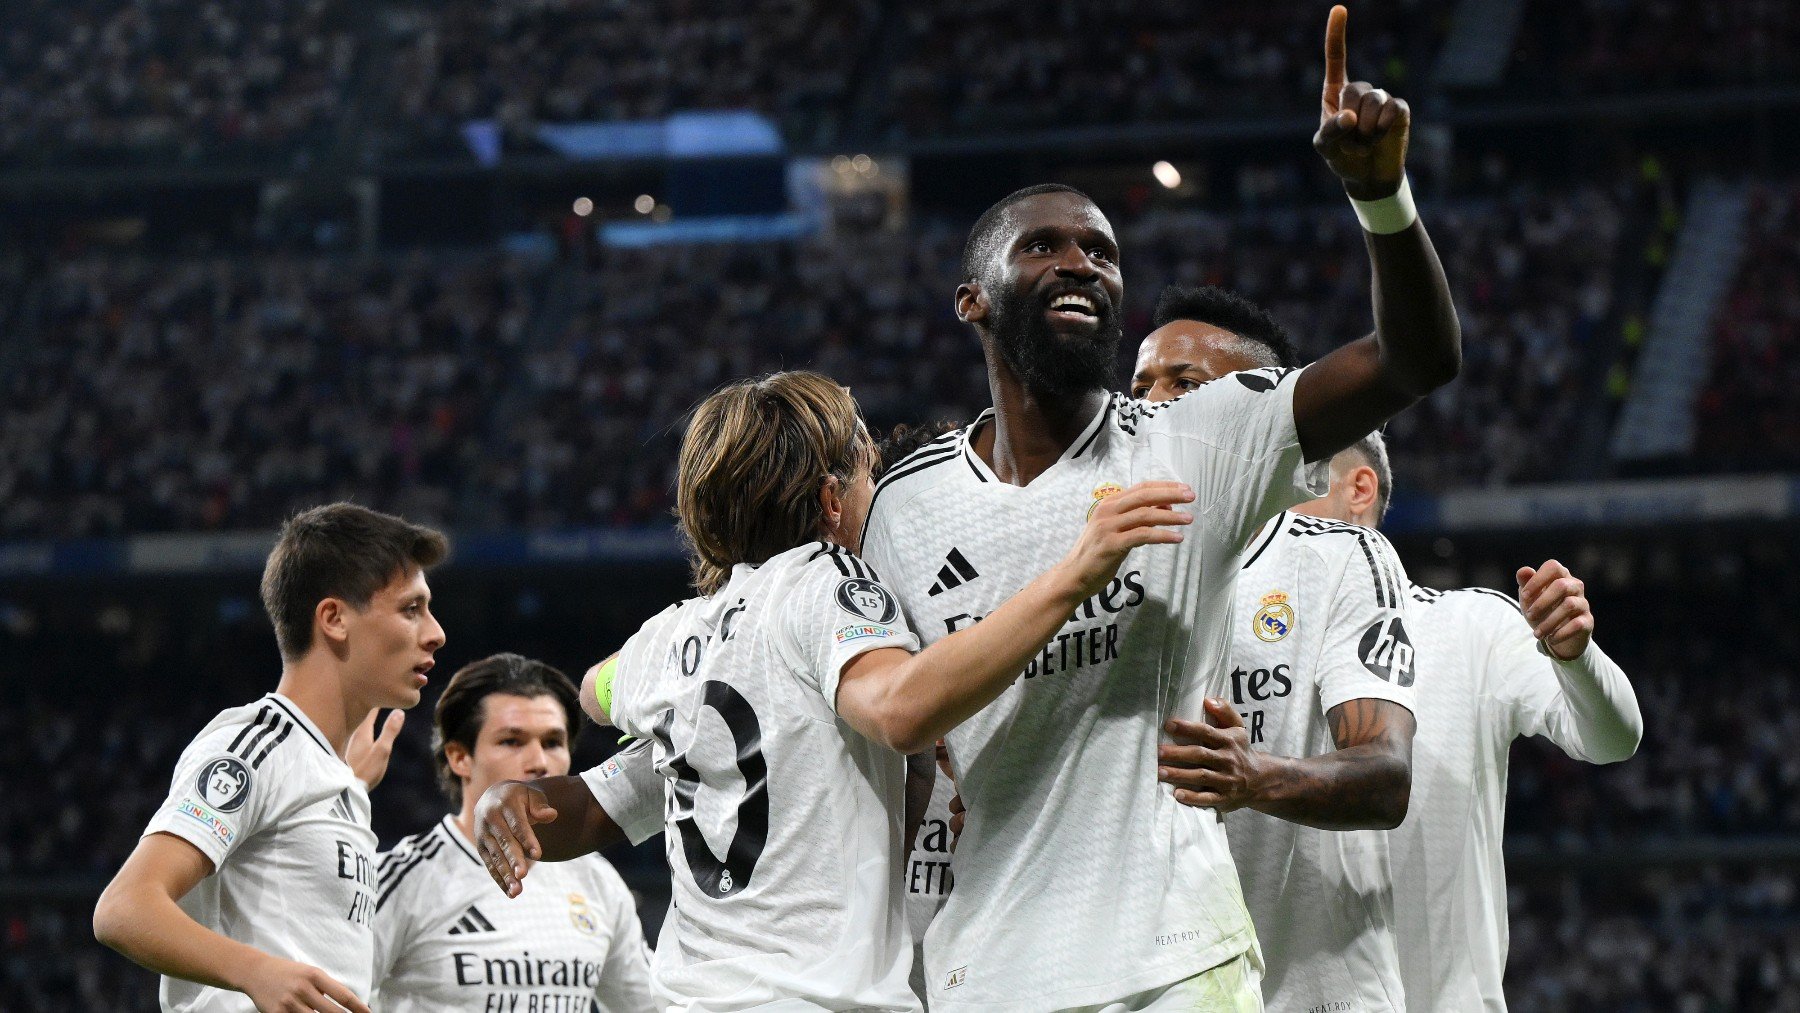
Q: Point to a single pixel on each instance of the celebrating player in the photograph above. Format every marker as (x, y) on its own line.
(1079, 880)
(1316, 733)
(254, 885)
(1488, 679)
(778, 705)
(443, 941)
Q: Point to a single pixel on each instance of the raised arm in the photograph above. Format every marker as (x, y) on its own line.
(1595, 717)
(1417, 344)
(1364, 785)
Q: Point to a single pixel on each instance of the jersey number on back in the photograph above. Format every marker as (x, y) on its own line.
(717, 878)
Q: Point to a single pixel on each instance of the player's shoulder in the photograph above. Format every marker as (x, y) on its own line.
(260, 735)
(1358, 552)
(924, 469)
(415, 862)
(1468, 602)
(827, 560)
(1211, 400)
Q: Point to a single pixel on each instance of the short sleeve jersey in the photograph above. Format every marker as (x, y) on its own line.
(1078, 878)
(1319, 621)
(285, 823)
(1485, 684)
(783, 825)
(446, 939)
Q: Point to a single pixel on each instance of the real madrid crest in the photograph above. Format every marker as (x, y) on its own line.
(1275, 619)
(1101, 491)
(580, 915)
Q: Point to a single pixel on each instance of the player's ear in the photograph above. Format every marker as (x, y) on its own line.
(1364, 489)
(461, 761)
(971, 302)
(331, 619)
(831, 502)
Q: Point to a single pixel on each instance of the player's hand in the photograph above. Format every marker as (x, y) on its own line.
(286, 986)
(1210, 764)
(1141, 515)
(503, 819)
(959, 814)
(368, 754)
(1362, 129)
(1556, 606)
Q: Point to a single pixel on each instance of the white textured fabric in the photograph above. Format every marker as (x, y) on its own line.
(1484, 684)
(784, 824)
(447, 939)
(1319, 620)
(628, 787)
(928, 879)
(286, 825)
(1079, 879)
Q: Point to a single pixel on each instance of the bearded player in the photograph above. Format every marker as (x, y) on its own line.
(1079, 881)
(1489, 677)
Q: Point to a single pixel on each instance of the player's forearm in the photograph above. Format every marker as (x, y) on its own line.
(1364, 787)
(1416, 330)
(581, 826)
(1604, 723)
(942, 686)
(145, 925)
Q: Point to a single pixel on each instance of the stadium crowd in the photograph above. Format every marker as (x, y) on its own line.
(215, 394)
(104, 81)
(1748, 418)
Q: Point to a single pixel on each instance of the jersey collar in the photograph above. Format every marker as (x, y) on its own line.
(299, 717)
(1271, 527)
(454, 832)
(1083, 443)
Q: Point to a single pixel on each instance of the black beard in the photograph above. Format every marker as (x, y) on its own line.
(1048, 363)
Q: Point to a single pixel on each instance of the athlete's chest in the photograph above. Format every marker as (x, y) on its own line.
(1279, 613)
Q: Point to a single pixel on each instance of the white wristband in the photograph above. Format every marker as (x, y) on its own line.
(1390, 214)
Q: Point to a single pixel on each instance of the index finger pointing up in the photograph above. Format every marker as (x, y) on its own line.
(1334, 57)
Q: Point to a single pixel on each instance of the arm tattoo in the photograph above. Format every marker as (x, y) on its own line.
(1364, 784)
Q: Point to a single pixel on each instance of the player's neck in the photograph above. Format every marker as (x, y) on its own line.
(1031, 431)
(315, 684)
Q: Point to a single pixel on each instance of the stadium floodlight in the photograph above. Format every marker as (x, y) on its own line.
(1166, 174)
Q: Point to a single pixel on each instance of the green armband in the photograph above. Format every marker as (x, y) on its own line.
(603, 684)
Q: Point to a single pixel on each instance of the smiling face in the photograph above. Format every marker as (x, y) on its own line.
(1183, 354)
(388, 645)
(1049, 293)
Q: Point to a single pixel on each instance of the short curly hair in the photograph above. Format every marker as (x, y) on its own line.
(1227, 311)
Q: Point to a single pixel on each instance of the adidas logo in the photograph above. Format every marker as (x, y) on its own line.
(955, 572)
(342, 809)
(471, 922)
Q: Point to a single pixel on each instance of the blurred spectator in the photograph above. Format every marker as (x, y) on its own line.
(106, 80)
(1748, 416)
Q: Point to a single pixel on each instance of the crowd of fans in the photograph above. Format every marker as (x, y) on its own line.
(525, 62)
(988, 65)
(105, 81)
(108, 80)
(215, 394)
(224, 393)
(1748, 417)
(1612, 47)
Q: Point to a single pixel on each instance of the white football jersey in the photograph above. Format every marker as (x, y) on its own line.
(447, 939)
(1319, 621)
(783, 827)
(1485, 684)
(1079, 879)
(928, 879)
(285, 823)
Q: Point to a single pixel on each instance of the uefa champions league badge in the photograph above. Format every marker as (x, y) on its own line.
(1101, 491)
(581, 917)
(224, 784)
(1275, 619)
